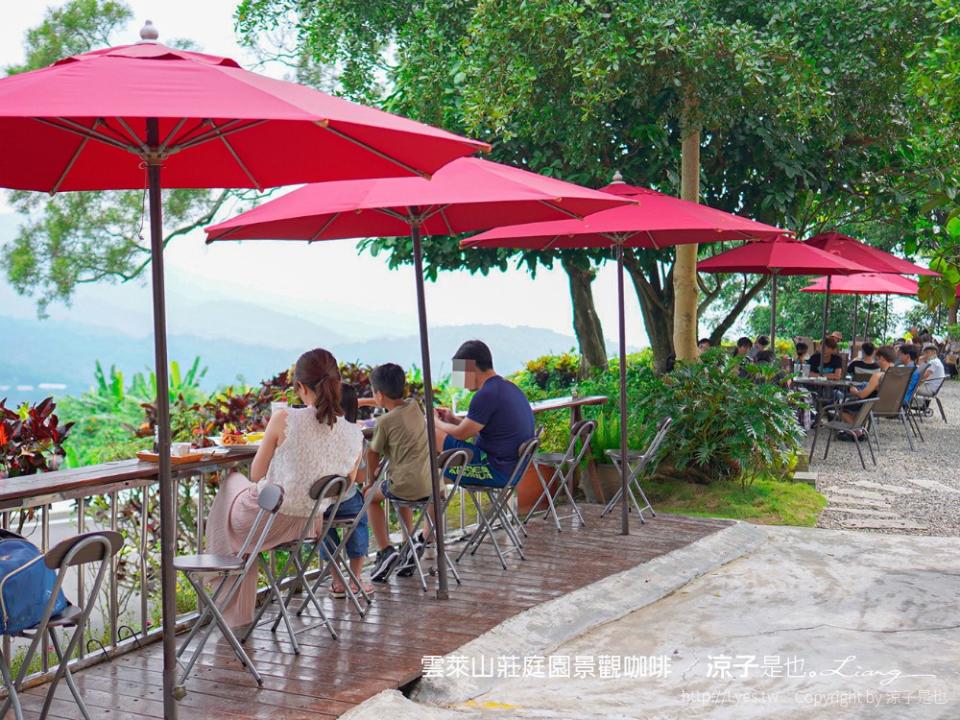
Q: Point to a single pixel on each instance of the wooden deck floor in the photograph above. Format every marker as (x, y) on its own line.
(384, 650)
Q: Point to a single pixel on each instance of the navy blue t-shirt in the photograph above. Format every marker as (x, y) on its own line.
(503, 410)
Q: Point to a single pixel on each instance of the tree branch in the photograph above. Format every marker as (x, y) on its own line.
(724, 325)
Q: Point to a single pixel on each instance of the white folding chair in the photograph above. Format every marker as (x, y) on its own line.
(92, 547)
(449, 462)
(498, 513)
(231, 569)
(563, 465)
(326, 493)
(637, 463)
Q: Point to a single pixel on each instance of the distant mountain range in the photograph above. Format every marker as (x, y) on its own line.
(59, 353)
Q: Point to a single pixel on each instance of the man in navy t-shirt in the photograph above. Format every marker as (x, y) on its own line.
(498, 422)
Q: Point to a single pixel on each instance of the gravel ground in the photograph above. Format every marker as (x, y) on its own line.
(917, 493)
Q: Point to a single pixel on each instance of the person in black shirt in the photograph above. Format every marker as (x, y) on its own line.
(867, 361)
(827, 362)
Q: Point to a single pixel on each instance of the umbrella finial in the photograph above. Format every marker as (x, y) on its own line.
(617, 178)
(149, 33)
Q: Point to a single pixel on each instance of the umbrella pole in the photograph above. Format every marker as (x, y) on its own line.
(624, 507)
(168, 538)
(826, 308)
(438, 519)
(886, 315)
(866, 328)
(773, 314)
(856, 308)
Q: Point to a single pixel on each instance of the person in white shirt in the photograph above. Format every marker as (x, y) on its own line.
(932, 373)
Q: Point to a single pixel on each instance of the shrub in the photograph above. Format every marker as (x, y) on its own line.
(31, 439)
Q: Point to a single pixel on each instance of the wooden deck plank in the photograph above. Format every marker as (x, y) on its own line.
(384, 649)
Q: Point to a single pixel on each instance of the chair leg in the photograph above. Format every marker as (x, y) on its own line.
(544, 494)
(870, 446)
(281, 604)
(907, 431)
(409, 548)
(940, 405)
(826, 450)
(816, 435)
(856, 441)
(13, 698)
(67, 675)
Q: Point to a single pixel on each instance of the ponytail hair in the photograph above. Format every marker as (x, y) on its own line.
(318, 370)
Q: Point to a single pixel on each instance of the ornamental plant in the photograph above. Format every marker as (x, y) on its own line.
(31, 439)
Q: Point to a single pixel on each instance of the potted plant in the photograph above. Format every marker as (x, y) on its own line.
(603, 473)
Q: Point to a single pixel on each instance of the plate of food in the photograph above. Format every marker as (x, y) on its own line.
(236, 438)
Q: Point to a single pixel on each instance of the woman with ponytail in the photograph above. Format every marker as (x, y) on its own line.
(299, 446)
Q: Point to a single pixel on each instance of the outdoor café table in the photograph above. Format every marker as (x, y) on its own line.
(823, 390)
(575, 405)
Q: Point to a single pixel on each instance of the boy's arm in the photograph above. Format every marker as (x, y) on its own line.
(373, 462)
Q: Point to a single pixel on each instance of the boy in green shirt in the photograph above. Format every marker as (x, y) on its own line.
(401, 438)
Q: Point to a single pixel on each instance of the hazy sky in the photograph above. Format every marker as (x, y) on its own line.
(300, 278)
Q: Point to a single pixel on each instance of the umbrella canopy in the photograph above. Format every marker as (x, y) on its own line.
(218, 126)
(875, 259)
(654, 221)
(865, 284)
(150, 116)
(780, 257)
(467, 194)
(783, 256)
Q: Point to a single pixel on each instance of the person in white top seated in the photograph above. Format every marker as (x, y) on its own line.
(300, 446)
(932, 372)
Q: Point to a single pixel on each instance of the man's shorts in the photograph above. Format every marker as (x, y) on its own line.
(479, 471)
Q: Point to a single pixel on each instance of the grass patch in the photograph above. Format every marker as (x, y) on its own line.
(764, 501)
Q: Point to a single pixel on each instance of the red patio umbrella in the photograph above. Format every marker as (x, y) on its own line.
(866, 284)
(874, 259)
(120, 117)
(468, 194)
(654, 221)
(782, 256)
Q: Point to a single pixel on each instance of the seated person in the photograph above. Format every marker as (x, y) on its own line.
(350, 506)
(400, 437)
(764, 357)
(703, 344)
(742, 350)
(867, 360)
(932, 371)
(802, 355)
(908, 358)
(886, 356)
(827, 363)
(762, 344)
(499, 418)
(299, 446)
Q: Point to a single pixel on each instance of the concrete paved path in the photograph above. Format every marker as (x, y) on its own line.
(813, 624)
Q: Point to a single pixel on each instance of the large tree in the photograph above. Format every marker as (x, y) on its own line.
(83, 237)
(797, 108)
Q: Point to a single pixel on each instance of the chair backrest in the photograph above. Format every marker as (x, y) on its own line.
(525, 454)
(892, 390)
(84, 548)
(270, 498)
(663, 428)
(860, 373)
(457, 458)
(581, 432)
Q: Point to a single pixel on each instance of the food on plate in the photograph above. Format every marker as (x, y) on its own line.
(254, 437)
(232, 437)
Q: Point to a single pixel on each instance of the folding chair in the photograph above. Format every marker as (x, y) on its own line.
(564, 465)
(447, 462)
(637, 463)
(923, 398)
(336, 561)
(231, 569)
(327, 491)
(499, 510)
(861, 423)
(92, 547)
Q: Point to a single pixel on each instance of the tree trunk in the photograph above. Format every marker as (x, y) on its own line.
(952, 313)
(685, 268)
(586, 322)
(656, 304)
(724, 325)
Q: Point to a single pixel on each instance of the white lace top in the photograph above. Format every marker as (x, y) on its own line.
(309, 451)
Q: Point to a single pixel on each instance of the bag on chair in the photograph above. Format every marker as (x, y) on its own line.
(25, 584)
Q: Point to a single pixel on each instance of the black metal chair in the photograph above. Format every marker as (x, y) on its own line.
(92, 547)
(891, 398)
(231, 569)
(637, 464)
(563, 466)
(859, 424)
